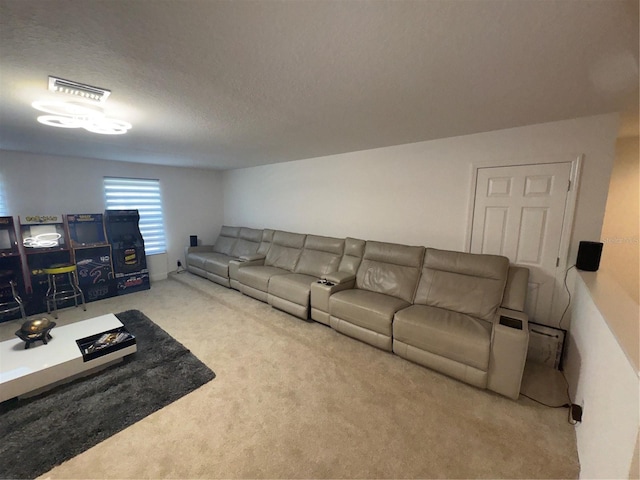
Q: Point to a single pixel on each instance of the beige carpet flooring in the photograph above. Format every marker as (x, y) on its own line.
(295, 399)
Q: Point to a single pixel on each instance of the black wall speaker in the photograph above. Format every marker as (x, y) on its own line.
(589, 254)
(193, 240)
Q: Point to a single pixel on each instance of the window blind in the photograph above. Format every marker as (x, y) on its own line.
(3, 205)
(143, 195)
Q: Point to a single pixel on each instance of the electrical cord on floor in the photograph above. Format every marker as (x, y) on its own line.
(565, 405)
(574, 411)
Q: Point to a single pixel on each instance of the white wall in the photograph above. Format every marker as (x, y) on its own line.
(417, 193)
(603, 378)
(192, 198)
(620, 228)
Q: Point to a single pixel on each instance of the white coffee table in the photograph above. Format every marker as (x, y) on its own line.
(24, 371)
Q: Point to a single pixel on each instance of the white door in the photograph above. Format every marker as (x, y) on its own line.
(519, 213)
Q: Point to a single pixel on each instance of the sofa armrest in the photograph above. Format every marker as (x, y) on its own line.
(509, 344)
(250, 263)
(236, 264)
(320, 293)
(199, 248)
(339, 278)
(251, 258)
(513, 319)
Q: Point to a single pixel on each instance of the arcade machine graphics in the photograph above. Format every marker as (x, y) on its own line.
(127, 245)
(45, 243)
(11, 267)
(92, 255)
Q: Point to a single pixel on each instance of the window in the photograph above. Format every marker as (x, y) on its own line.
(142, 195)
(3, 205)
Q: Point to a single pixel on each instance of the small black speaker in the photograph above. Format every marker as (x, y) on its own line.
(193, 240)
(589, 254)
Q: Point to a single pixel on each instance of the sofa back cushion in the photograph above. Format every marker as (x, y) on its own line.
(285, 250)
(320, 255)
(390, 268)
(467, 283)
(248, 242)
(226, 240)
(265, 243)
(353, 252)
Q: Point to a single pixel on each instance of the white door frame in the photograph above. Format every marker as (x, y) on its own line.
(567, 222)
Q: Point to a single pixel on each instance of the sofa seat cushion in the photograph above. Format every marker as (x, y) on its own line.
(452, 335)
(199, 259)
(295, 287)
(258, 276)
(371, 310)
(218, 264)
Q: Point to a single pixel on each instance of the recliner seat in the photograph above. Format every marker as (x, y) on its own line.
(250, 259)
(450, 327)
(212, 262)
(281, 259)
(291, 293)
(385, 283)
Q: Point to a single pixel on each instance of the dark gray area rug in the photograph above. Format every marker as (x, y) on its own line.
(38, 433)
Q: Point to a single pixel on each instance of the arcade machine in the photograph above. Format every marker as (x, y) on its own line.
(92, 255)
(12, 288)
(45, 243)
(127, 245)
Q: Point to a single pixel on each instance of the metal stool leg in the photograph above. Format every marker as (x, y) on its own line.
(47, 296)
(54, 300)
(17, 299)
(14, 304)
(77, 290)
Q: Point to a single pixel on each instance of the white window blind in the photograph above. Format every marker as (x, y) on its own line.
(142, 195)
(4, 212)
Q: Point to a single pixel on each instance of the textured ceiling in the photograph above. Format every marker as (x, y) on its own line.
(229, 84)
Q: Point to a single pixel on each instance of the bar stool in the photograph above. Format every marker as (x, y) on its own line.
(67, 291)
(14, 303)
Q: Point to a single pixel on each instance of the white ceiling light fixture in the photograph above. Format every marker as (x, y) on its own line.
(70, 87)
(84, 112)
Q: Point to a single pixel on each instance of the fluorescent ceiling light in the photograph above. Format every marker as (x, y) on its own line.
(60, 85)
(85, 112)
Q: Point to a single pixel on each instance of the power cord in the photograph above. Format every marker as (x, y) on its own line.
(574, 412)
(566, 287)
(565, 405)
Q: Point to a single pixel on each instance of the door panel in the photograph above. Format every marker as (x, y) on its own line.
(519, 213)
(531, 239)
(495, 227)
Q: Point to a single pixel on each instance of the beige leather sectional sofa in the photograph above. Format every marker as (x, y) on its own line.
(458, 313)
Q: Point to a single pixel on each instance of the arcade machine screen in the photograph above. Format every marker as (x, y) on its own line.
(86, 230)
(42, 236)
(5, 240)
(89, 233)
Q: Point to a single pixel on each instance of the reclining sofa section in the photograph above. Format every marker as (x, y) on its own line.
(457, 313)
(282, 258)
(212, 262)
(291, 292)
(385, 283)
(450, 326)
